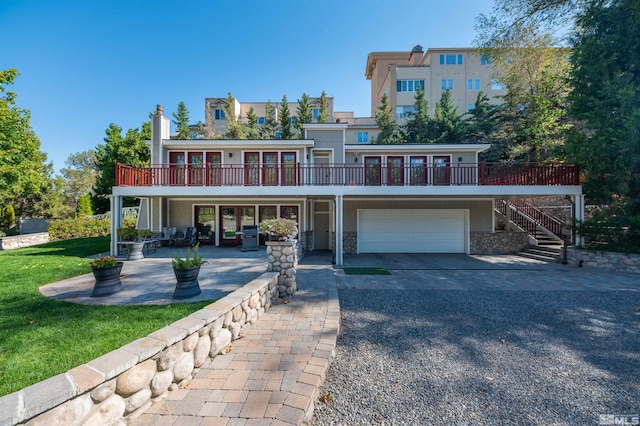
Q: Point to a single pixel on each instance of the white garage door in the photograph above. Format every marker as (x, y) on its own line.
(411, 231)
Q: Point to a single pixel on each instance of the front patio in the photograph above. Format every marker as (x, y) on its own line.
(150, 281)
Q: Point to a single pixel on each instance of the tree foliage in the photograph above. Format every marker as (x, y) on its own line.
(253, 129)
(128, 149)
(418, 127)
(305, 114)
(448, 126)
(83, 207)
(323, 117)
(235, 128)
(284, 119)
(268, 129)
(181, 121)
(25, 177)
(389, 132)
(80, 175)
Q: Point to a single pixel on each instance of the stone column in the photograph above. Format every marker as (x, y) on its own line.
(282, 257)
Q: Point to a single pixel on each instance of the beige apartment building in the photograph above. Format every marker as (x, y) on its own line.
(463, 71)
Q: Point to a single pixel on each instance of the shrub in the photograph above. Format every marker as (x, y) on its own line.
(8, 217)
(84, 206)
(78, 228)
(282, 229)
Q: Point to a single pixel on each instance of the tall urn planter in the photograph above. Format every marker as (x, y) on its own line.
(186, 271)
(187, 284)
(107, 280)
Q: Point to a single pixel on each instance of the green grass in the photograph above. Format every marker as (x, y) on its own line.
(366, 271)
(42, 337)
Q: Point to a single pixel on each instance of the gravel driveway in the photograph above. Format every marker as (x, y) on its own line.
(483, 357)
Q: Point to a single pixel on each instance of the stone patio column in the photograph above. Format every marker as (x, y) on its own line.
(282, 257)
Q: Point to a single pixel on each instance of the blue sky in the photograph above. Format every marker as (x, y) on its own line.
(87, 63)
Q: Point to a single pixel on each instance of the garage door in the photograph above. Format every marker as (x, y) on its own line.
(411, 231)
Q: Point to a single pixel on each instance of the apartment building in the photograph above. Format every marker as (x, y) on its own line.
(463, 71)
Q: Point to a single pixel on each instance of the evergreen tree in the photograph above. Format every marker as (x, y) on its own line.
(305, 114)
(285, 119)
(606, 100)
(181, 121)
(84, 206)
(386, 124)
(418, 127)
(268, 129)
(235, 129)
(448, 125)
(484, 126)
(323, 117)
(253, 130)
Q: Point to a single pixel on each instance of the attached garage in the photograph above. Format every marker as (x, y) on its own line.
(412, 231)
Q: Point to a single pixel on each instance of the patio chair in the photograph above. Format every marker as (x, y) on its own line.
(188, 239)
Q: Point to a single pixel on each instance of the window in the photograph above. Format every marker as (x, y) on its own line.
(451, 59)
(289, 212)
(485, 60)
(496, 85)
(278, 135)
(293, 120)
(447, 84)
(471, 85)
(219, 114)
(363, 137)
(404, 111)
(470, 107)
(262, 120)
(409, 85)
(316, 113)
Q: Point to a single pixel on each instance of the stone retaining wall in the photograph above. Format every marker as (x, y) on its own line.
(350, 242)
(498, 242)
(25, 240)
(122, 384)
(604, 260)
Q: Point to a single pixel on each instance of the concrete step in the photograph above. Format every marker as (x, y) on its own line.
(542, 255)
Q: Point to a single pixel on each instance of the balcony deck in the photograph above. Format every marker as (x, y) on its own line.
(269, 175)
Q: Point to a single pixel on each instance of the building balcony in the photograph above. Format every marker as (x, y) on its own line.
(346, 175)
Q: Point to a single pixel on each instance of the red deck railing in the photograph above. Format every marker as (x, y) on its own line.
(346, 174)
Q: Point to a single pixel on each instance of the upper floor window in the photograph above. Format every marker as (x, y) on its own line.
(363, 137)
(451, 59)
(293, 120)
(278, 135)
(262, 120)
(409, 85)
(316, 113)
(485, 60)
(404, 111)
(471, 84)
(470, 107)
(447, 84)
(219, 114)
(496, 85)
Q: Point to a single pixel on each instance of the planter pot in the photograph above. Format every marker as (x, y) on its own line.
(187, 282)
(107, 280)
(134, 250)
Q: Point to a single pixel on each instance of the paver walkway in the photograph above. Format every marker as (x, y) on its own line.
(272, 375)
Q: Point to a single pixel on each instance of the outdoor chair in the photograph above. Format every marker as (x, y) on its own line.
(189, 238)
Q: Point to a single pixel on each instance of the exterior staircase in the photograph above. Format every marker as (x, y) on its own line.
(545, 231)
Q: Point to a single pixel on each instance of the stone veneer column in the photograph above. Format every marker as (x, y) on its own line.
(282, 257)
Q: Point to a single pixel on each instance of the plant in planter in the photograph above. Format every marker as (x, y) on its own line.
(186, 271)
(279, 229)
(106, 271)
(128, 233)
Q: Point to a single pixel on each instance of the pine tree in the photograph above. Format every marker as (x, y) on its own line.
(268, 129)
(324, 109)
(285, 119)
(235, 129)
(418, 127)
(386, 123)
(305, 114)
(181, 120)
(448, 125)
(253, 130)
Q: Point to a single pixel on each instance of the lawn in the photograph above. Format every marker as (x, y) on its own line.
(39, 337)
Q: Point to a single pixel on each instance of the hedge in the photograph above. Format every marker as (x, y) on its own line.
(78, 228)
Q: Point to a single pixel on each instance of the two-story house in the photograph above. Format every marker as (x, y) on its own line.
(347, 196)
